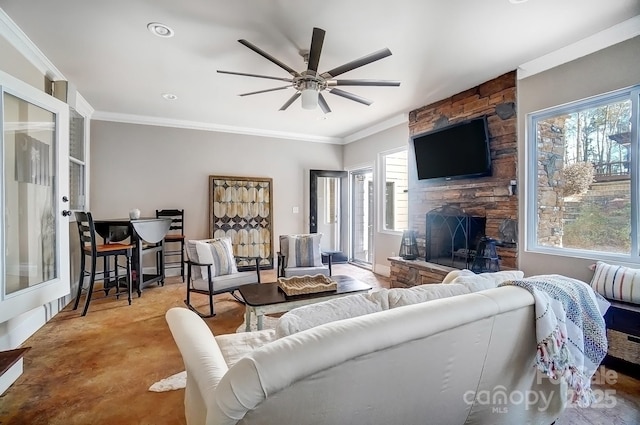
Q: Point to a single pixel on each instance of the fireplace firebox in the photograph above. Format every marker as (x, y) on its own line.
(452, 237)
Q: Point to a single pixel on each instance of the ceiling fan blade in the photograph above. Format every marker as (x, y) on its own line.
(365, 60)
(377, 83)
(351, 96)
(323, 104)
(316, 48)
(290, 101)
(264, 91)
(289, 80)
(269, 57)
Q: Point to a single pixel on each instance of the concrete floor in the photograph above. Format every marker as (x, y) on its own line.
(97, 369)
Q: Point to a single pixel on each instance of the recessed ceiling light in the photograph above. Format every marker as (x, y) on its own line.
(161, 30)
(169, 96)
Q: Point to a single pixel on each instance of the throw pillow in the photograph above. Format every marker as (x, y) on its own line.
(304, 251)
(617, 282)
(218, 253)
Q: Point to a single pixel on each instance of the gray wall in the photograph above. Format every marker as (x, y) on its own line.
(152, 167)
(365, 152)
(609, 69)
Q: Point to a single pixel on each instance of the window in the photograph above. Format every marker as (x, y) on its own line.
(77, 165)
(584, 188)
(395, 190)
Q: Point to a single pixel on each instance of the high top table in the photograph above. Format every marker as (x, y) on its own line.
(265, 298)
(144, 230)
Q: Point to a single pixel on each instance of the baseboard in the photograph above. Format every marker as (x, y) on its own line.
(382, 270)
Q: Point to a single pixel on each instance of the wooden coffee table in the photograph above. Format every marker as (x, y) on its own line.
(265, 298)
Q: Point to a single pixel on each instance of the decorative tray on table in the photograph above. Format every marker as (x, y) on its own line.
(300, 285)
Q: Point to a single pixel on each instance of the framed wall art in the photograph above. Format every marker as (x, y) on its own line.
(241, 208)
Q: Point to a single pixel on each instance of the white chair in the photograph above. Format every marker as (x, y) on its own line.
(212, 270)
(301, 255)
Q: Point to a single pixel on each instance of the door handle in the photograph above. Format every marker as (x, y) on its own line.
(65, 199)
(66, 213)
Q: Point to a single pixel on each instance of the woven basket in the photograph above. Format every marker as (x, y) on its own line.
(624, 346)
(300, 285)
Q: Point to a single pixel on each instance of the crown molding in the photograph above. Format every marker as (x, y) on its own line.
(83, 106)
(194, 125)
(19, 40)
(601, 40)
(376, 128)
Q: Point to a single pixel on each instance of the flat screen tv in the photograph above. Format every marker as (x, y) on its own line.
(458, 151)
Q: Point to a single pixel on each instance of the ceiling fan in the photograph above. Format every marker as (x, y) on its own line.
(309, 84)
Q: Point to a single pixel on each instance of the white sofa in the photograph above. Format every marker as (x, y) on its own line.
(465, 359)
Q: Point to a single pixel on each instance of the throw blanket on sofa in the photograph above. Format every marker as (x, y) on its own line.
(570, 331)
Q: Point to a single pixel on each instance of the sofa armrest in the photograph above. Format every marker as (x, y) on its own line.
(203, 360)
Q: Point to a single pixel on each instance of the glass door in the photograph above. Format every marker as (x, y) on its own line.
(328, 194)
(34, 235)
(362, 216)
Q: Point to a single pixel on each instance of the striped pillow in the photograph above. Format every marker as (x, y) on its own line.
(304, 251)
(218, 253)
(617, 282)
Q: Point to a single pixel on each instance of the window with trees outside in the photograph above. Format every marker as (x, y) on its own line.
(395, 190)
(584, 173)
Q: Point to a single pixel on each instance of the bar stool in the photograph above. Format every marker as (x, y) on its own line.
(90, 248)
(174, 236)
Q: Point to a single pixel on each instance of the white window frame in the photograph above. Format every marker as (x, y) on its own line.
(83, 108)
(381, 189)
(632, 94)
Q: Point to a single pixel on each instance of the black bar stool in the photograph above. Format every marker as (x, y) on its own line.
(173, 237)
(90, 248)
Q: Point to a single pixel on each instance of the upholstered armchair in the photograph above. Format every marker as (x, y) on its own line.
(301, 255)
(212, 270)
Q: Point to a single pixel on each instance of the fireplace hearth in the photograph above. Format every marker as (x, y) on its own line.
(452, 237)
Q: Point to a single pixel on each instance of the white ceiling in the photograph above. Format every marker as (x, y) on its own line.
(439, 48)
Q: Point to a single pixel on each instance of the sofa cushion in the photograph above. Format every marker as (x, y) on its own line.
(304, 250)
(310, 316)
(399, 297)
(480, 282)
(218, 253)
(617, 282)
(221, 283)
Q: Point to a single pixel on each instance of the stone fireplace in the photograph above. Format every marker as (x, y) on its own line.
(494, 198)
(452, 237)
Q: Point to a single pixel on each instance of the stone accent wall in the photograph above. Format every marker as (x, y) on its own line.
(488, 197)
(550, 134)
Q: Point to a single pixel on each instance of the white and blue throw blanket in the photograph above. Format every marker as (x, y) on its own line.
(570, 330)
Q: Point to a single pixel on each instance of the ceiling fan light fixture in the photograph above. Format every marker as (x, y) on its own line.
(309, 98)
(309, 91)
